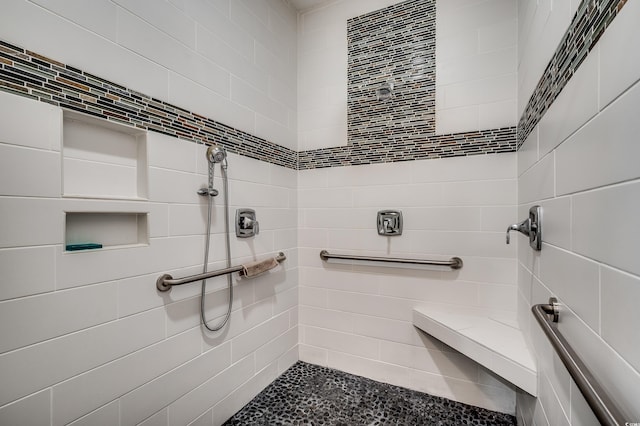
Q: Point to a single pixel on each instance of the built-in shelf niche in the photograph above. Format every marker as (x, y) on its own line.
(102, 159)
(107, 229)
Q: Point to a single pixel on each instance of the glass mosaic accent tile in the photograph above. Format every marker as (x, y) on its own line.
(395, 44)
(587, 26)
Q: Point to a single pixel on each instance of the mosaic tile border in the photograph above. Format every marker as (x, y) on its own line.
(32, 75)
(429, 147)
(589, 23)
(29, 74)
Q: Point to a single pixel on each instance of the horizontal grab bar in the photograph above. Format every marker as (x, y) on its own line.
(453, 263)
(166, 281)
(601, 405)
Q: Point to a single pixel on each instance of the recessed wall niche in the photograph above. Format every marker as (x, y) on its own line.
(102, 159)
(86, 230)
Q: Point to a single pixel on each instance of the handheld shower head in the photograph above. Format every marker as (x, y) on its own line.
(216, 154)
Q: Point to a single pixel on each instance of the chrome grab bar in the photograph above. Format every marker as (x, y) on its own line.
(453, 263)
(166, 281)
(603, 407)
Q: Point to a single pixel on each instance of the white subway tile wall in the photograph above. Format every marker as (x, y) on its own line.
(577, 164)
(211, 47)
(95, 338)
(358, 318)
(475, 65)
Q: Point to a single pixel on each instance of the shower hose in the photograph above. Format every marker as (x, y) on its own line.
(206, 250)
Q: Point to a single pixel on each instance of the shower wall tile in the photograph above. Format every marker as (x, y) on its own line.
(174, 186)
(253, 99)
(494, 114)
(448, 364)
(577, 103)
(495, 193)
(249, 341)
(615, 241)
(205, 420)
(618, 68)
(76, 397)
(195, 97)
(581, 159)
(580, 112)
(332, 320)
(475, 66)
(33, 410)
(22, 170)
(619, 317)
(32, 222)
(155, 45)
(163, 152)
(439, 218)
(20, 278)
(341, 342)
(494, 218)
(70, 310)
(538, 183)
(575, 280)
(202, 398)
(430, 194)
(29, 124)
(472, 168)
(166, 17)
(243, 394)
(108, 319)
(106, 415)
(444, 207)
(215, 49)
(161, 418)
(76, 353)
(557, 230)
(140, 73)
(528, 154)
(277, 349)
(156, 394)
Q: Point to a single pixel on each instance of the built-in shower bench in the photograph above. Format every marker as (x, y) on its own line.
(491, 342)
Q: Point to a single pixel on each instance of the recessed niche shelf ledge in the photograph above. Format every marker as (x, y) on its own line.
(88, 231)
(493, 343)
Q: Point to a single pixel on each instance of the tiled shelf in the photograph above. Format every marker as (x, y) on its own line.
(493, 343)
(115, 229)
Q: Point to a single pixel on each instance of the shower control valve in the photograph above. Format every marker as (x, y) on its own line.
(246, 223)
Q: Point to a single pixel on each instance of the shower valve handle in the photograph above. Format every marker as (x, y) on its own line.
(249, 223)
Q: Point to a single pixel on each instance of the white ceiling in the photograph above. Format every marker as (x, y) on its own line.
(304, 5)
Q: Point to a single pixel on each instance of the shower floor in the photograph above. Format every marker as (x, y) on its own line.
(307, 394)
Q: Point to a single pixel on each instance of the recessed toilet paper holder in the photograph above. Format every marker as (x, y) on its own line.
(531, 226)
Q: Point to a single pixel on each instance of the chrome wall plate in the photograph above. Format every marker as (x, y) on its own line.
(389, 222)
(535, 233)
(246, 223)
(531, 227)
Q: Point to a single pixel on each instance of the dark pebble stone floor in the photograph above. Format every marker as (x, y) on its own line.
(310, 395)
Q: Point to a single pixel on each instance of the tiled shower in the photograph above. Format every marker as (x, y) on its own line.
(497, 105)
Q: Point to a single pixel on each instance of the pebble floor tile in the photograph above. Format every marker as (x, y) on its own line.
(310, 395)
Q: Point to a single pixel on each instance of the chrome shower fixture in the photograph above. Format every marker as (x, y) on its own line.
(385, 91)
(531, 227)
(216, 154)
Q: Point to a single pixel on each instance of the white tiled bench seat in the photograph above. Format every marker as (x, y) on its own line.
(495, 344)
